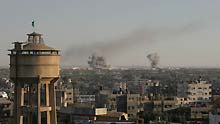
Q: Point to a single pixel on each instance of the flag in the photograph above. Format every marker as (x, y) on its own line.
(33, 24)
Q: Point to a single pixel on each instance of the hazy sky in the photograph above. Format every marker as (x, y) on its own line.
(182, 32)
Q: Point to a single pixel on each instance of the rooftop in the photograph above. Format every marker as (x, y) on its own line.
(34, 34)
(5, 101)
(36, 46)
(34, 42)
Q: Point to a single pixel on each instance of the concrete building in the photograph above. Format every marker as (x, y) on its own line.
(3, 94)
(183, 101)
(6, 111)
(197, 95)
(162, 105)
(195, 91)
(65, 93)
(112, 116)
(121, 101)
(129, 103)
(105, 98)
(34, 68)
(214, 117)
(181, 90)
(88, 114)
(200, 112)
(85, 98)
(69, 93)
(64, 97)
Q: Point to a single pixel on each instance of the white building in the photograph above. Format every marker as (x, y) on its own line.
(85, 98)
(195, 91)
(3, 94)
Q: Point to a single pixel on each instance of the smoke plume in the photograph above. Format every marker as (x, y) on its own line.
(154, 59)
(119, 47)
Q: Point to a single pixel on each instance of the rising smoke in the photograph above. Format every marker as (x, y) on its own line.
(118, 47)
(154, 59)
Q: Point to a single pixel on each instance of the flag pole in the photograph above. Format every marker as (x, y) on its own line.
(33, 25)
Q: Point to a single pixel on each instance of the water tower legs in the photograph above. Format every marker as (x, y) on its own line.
(53, 101)
(35, 102)
(39, 102)
(19, 102)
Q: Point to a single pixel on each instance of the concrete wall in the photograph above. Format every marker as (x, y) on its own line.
(214, 119)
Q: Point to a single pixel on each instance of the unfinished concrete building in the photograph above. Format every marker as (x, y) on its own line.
(34, 68)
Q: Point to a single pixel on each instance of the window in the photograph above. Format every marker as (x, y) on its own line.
(5, 106)
(200, 98)
(13, 52)
(112, 106)
(129, 107)
(5, 114)
(25, 52)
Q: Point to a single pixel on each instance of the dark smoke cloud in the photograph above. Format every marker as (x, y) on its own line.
(78, 54)
(154, 59)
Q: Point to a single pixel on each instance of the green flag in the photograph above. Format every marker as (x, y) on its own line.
(33, 25)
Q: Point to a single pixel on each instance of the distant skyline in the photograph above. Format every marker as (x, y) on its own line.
(183, 33)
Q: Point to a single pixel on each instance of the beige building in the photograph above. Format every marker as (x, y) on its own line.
(66, 93)
(164, 104)
(200, 112)
(89, 114)
(64, 97)
(128, 103)
(195, 91)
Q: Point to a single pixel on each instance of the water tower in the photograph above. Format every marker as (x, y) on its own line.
(34, 68)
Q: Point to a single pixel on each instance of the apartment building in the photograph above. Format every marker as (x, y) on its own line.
(195, 91)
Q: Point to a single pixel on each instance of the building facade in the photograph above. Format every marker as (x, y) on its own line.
(195, 91)
(6, 111)
(125, 102)
(214, 117)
